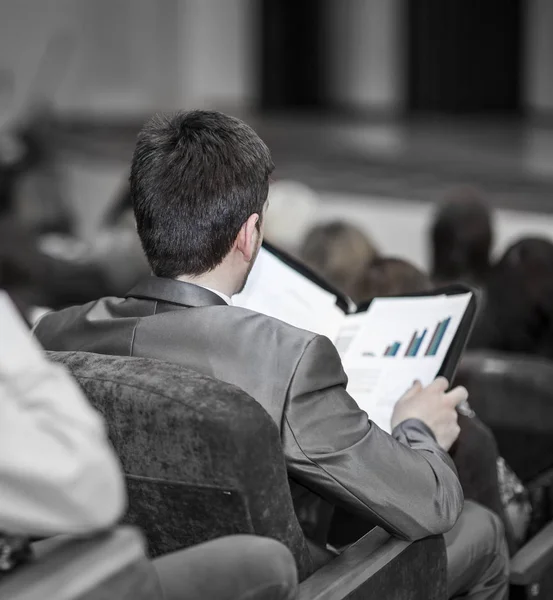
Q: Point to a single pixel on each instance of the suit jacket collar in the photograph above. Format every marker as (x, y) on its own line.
(174, 292)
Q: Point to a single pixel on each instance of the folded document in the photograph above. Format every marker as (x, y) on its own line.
(385, 346)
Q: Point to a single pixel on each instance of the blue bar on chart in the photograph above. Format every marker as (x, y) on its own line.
(419, 341)
(393, 349)
(415, 343)
(411, 344)
(437, 337)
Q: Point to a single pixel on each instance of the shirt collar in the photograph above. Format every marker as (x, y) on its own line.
(226, 298)
(175, 292)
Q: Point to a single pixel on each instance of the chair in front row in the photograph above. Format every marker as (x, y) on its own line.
(203, 459)
(107, 565)
(513, 396)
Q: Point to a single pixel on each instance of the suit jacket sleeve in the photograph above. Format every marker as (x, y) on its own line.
(404, 482)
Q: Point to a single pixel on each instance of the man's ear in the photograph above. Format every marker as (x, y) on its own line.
(246, 241)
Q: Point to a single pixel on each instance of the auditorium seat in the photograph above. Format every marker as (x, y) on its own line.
(513, 396)
(204, 460)
(109, 565)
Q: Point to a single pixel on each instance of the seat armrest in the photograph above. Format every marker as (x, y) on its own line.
(69, 568)
(381, 566)
(534, 558)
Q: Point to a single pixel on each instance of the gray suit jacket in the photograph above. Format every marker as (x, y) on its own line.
(405, 482)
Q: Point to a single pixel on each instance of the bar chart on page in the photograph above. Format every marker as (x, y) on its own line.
(398, 341)
(413, 348)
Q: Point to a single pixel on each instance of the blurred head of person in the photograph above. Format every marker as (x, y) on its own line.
(462, 238)
(339, 252)
(519, 310)
(11, 155)
(292, 208)
(389, 276)
(199, 183)
(21, 275)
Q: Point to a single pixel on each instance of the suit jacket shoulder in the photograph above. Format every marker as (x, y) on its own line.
(251, 350)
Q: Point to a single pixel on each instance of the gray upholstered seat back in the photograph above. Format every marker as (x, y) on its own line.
(513, 395)
(203, 459)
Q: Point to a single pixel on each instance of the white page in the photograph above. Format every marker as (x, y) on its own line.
(18, 349)
(275, 289)
(377, 380)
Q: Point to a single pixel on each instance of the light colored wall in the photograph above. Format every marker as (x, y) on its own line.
(126, 58)
(103, 56)
(538, 60)
(365, 54)
(26, 26)
(130, 56)
(216, 53)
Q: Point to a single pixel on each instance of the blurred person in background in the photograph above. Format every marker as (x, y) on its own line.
(13, 163)
(339, 252)
(115, 254)
(292, 208)
(29, 181)
(58, 270)
(32, 278)
(462, 238)
(390, 276)
(20, 274)
(518, 314)
(35, 279)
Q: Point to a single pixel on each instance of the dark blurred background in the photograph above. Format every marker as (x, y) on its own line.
(379, 106)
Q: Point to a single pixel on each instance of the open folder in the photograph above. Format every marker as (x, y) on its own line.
(385, 345)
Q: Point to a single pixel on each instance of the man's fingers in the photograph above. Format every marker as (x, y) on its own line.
(457, 395)
(413, 390)
(440, 384)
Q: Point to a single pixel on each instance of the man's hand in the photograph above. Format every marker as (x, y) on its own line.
(435, 407)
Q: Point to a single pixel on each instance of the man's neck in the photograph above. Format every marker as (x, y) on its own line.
(211, 281)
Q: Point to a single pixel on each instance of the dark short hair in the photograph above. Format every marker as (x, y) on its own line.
(462, 237)
(196, 178)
